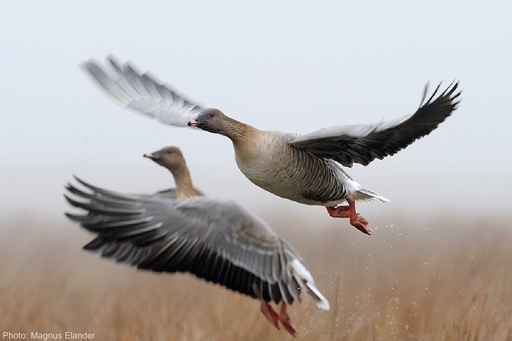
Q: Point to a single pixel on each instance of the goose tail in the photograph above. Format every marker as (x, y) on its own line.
(366, 194)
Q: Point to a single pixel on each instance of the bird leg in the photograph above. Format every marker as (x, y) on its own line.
(270, 314)
(274, 318)
(285, 320)
(356, 220)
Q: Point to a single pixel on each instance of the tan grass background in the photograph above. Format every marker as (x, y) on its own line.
(444, 278)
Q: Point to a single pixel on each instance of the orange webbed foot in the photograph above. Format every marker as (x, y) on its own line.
(356, 220)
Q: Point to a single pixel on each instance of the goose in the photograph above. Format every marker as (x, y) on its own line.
(306, 168)
(181, 231)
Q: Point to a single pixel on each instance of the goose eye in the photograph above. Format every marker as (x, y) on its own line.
(211, 114)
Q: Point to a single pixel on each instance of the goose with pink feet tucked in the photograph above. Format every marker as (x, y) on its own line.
(179, 231)
(306, 168)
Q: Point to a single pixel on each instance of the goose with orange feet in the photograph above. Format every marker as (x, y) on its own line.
(179, 231)
(306, 168)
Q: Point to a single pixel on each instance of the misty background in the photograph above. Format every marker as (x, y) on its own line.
(292, 66)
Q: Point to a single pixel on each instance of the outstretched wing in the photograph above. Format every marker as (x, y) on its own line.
(129, 88)
(365, 143)
(217, 241)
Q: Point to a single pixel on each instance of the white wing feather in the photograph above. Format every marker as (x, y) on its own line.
(305, 278)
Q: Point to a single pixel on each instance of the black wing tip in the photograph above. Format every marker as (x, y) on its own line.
(453, 94)
(449, 97)
(89, 186)
(451, 89)
(82, 182)
(72, 201)
(94, 244)
(70, 215)
(74, 189)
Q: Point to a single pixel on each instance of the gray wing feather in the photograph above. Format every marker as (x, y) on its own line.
(142, 92)
(362, 144)
(216, 241)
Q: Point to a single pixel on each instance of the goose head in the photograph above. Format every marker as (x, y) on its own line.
(214, 121)
(168, 157)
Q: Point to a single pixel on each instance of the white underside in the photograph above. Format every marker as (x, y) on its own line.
(354, 187)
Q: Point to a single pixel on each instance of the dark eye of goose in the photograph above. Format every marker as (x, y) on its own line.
(211, 114)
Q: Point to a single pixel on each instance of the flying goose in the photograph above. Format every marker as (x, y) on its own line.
(301, 167)
(218, 241)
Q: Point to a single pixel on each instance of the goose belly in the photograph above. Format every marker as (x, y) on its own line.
(302, 178)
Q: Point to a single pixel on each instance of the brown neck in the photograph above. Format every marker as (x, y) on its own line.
(184, 186)
(238, 131)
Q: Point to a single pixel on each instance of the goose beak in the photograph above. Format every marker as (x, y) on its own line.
(197, 122)
(155, 156)
(193, 123)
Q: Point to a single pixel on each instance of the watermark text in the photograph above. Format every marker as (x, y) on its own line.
(47, 336)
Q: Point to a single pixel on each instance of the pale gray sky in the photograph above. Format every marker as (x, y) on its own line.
(279, 65)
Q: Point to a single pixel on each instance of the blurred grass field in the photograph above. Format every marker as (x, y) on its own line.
(444, 279)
